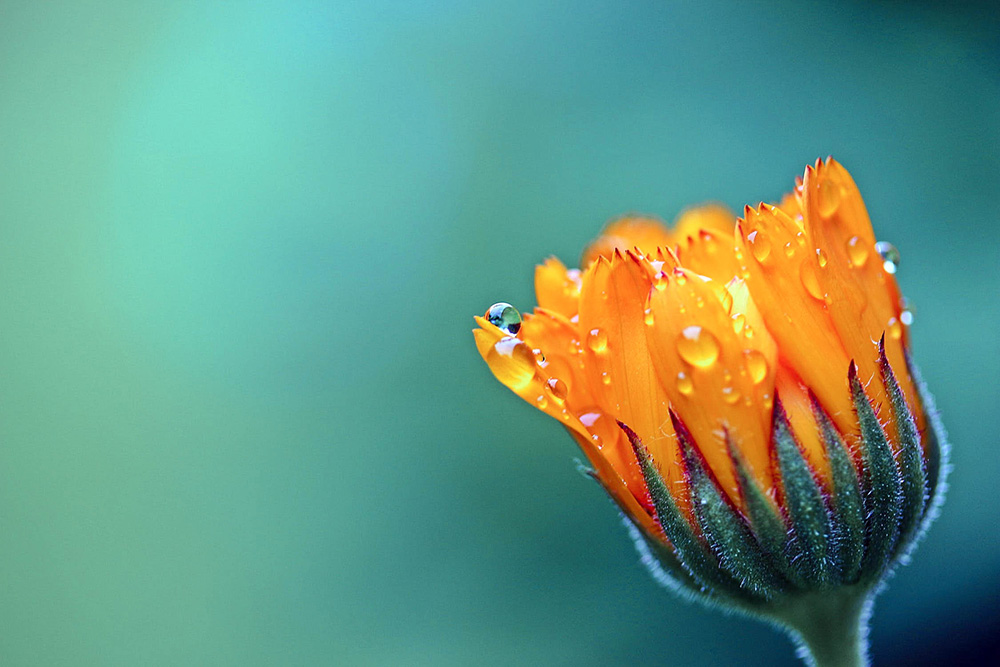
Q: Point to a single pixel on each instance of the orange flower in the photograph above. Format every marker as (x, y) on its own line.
(763, 359)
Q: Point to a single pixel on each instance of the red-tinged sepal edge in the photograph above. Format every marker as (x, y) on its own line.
(807, 536)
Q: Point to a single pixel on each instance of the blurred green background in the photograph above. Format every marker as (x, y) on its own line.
(242, 420)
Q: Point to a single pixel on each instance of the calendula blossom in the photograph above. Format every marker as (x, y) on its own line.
(743, 390)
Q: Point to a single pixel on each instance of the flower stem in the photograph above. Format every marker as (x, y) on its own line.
(830, 628)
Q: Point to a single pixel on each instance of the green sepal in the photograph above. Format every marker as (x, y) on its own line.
(700, 563)
(766, 521)
(806, 504)
(910, 457)
(723, 526)
(848, 538)
(880, 482)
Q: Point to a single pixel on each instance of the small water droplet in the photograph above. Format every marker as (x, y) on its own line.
(540, 357)
(800, 237)
(680, 277)
(698, 346)
(648, 317)
(684, 384)
(756, 365)
(889, 255)
(660, 281)
(542, 402)
(730, 394)
(759, 245)
(906, 317)
(605, 378)
(821, 258)
(828, 197)
(789, 249)
(504, 317)
(748, 331)
(597, 340)
(558, 388)
(857, 251)
(739, 319)
(512, 361)
(807, 272)
(894, 328)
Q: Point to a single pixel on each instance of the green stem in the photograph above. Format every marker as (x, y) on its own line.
(831, 628)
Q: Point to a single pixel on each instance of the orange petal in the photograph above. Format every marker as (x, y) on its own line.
(712, 217)
(864, 300)
(709, 253)
(776, 261)
(622, 381)
(700, 363)
(627, 233)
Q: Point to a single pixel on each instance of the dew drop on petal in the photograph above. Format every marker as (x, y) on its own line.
(648, 317)
(684, 384)
(597, 340)
(807, 272)
(660, 281)
(739, 319)
(558, 388)
(697, 346)
(730, 394)
(828, 198)
(821, 258)
(512, 361)
(759, 245)
(789, 249)
(889, 255)
(894, 328)
(504, 317)
(857, 251)
(906, 317)
(542, 402)
(756, 365)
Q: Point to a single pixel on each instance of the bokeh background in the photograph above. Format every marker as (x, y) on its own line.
(242, 420)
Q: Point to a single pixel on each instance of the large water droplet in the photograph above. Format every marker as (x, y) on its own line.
(512, 361)
(756, 365)
(857, 251)
(504, 317)
(889, 255)
(807, 272)
(828, 197)
(597, 340)
(697, 346)
(558, 388)
(759, 245)
(684, 384)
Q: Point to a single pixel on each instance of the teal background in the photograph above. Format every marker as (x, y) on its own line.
(242, 419)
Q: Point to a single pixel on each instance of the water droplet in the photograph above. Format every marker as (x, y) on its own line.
(512, 361)
(698, 346)
(906, 317)
(558, 388)
(789, 249)
(748, 331)
(730, 394)
(807, 272)
(684, 384)
(542, 402)
(889, 255)
(800, 237)
(540, 357)
(756, 365)
(739, 319)
(597, 340)
(660, 281)
(648, 317)
(504, 317)
(821, 258)
(894, 328)
(759, 245)
(680, 277)
(857, 251)
(605, 378)
(828, 197)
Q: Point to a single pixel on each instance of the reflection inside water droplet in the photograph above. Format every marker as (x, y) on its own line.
(889, 255)
(504, 317)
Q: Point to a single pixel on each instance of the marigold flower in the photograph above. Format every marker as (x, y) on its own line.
(742, 389)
